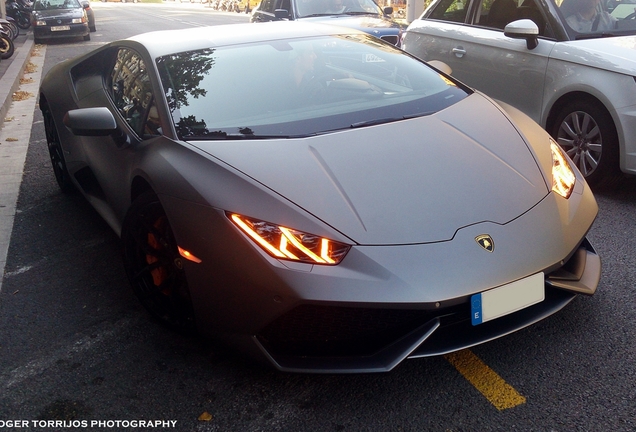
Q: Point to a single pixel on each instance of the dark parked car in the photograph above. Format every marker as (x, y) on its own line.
(364, 15)
(349, 208)
(59, 19)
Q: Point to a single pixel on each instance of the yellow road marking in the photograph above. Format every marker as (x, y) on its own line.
(498, 392)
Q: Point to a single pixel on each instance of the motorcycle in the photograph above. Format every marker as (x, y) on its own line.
(20, 11)
(10, 27)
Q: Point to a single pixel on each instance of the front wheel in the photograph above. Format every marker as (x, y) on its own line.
(56, 153)
(587, 134)
(24, 22)
(153, 264)
(6, 47)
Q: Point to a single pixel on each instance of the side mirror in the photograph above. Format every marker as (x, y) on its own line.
(97, 121)
(388, 10)
(281, 14)
(523, 29)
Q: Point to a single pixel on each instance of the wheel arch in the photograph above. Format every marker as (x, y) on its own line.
(565, 99)
(139, 186)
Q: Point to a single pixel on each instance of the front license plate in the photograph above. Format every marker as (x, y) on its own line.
(60, 28)
(507, 299)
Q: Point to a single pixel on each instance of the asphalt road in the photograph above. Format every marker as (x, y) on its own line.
(76, 346)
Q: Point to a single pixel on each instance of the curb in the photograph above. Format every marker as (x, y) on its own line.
(12, 76)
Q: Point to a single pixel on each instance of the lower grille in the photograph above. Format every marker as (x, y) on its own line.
(329, 331)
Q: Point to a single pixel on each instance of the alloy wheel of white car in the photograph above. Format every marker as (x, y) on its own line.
(588, 136)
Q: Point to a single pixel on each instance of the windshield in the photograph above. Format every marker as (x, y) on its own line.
(298, 87)
(56, 4)
(595, 18)
(308, 8)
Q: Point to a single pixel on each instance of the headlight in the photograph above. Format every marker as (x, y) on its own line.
(563, 177)
(40, 23)
(290, 244)
(77, 20)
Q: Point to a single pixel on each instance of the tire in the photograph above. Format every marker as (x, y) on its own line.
(13, 29)
(56, 153)
(23, 22)
(153, 264)
(586, 131)
(6, 47)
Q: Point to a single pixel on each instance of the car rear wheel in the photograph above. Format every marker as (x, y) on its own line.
(56, 153)
(153, 264)
(588, 135)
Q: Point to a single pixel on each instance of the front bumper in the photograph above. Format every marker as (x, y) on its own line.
(331, 339)
(75, 30)
(381, 304)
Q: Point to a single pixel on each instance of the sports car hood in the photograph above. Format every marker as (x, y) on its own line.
(406, 182)
(616, 54)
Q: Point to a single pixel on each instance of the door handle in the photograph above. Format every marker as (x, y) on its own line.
(459, 51)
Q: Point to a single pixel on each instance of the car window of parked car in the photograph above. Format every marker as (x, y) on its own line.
(307, 8)
(267, 6)
(303, 87)
(56, 4)
(499, 13)
(131, 92)
(451, 10)
(592, 17)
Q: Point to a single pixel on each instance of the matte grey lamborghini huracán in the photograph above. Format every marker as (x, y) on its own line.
(317, 197)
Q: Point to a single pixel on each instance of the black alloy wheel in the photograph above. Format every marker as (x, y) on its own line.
(154, 266)
(56, 152)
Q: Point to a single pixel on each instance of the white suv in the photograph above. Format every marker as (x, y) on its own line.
(569, 65)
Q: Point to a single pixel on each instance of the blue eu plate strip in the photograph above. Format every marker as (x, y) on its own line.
(475, 309)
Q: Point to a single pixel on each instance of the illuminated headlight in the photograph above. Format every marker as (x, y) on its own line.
(40, 23)
(77, 20)
(563, 177)
(290, 244)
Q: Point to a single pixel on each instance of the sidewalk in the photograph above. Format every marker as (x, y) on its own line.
(11, 71)
(16, 118)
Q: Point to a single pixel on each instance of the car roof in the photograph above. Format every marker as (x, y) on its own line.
(160, 43)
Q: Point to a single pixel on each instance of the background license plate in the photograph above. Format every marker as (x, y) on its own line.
(60, 28)
(507, 299)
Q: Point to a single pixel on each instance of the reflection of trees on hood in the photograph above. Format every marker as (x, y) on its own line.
(181, 75)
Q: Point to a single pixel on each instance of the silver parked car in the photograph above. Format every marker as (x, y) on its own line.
(569, 65)
(345, 209)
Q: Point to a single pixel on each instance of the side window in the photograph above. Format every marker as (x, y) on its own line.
(267, 6)
(132, 93)
(451, 10)
(497, 13)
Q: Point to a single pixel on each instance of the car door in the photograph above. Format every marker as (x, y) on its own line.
(127, 85)
(469, 37)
